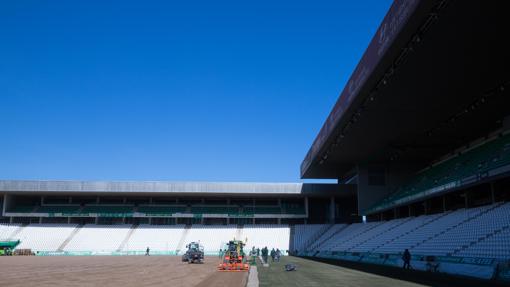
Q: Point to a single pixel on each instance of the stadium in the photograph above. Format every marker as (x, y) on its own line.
(419, 142)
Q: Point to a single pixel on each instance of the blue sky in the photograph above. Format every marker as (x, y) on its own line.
(172, 90)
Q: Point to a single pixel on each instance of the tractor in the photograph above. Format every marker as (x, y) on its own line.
(194, 254)
(234, 258)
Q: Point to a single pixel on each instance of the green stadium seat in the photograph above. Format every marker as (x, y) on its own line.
(64, 209)
(478, 160)
(262, 210)
(161, 210)
(214, 209)
(112, 210)
(23, 209)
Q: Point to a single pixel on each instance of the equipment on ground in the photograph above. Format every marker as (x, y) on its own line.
(290, 267)
(194, 254)
(234, 258)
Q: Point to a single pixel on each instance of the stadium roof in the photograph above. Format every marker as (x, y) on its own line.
(170, 188)
(434, 77)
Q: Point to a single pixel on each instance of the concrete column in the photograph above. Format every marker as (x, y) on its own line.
(10, 220)
(332, 209)
(8, 202)
(279, 221)
(40, 220)
(306, 206)
(493, 195)
(69, 220)
(4, 204)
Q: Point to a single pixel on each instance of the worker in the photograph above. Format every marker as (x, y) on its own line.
(278, 254)
(264, 254)
(406, 257)
(147, 251)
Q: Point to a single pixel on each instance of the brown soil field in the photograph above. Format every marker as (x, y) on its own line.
(104, 271)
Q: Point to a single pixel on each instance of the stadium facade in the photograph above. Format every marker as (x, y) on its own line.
(175, 202)
(419, 141)
(422, 124)
(422, 128)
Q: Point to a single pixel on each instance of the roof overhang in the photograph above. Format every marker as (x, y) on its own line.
(433, 77)
(164, 188)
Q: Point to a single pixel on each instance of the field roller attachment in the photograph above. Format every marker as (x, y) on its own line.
(234, 259)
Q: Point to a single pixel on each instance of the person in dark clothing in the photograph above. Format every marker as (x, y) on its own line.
(264, 254)
(258, 252)
(273, 254)
(147, 251)
(406, 257)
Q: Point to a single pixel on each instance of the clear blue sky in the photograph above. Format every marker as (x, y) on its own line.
(172, 90)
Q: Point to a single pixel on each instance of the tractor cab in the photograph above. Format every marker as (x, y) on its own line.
(194, 253)
(234, 258)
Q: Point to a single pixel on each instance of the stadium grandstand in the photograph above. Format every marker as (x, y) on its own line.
(422, 129)
(418, 141)
(77, 217)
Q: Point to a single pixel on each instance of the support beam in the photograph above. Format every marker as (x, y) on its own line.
(306, 206)
(493, 195)
(332, 209)
(4, 204)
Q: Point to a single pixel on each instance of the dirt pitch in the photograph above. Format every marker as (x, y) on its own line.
(104, 271)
